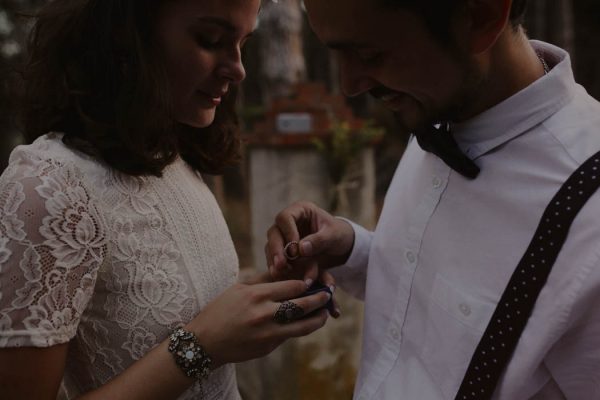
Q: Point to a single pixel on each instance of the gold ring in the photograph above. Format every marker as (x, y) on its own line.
(287, 248)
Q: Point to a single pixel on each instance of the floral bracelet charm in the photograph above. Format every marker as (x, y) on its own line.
(189, 355)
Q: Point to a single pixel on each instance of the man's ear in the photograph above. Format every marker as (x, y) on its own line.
(487, 19)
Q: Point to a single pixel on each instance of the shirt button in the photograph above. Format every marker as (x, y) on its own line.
(410, 256)
(465, 309)
(437, 182)
(395, 334)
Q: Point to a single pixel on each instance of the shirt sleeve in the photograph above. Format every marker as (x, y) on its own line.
(52, 241)
(574, 361)
(352, 276)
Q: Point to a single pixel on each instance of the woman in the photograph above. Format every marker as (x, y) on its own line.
(109, 239)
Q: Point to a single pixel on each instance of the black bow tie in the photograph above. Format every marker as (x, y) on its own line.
(440, 142)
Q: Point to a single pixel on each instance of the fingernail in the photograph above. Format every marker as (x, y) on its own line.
(308, 282)
(306, 248)
(332, 288)
(337, 313)
(275, 260)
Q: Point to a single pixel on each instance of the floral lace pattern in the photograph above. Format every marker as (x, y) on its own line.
(106, 261)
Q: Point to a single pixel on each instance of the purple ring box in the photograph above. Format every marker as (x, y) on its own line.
(319, 287)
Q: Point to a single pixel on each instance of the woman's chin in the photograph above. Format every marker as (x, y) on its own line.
(202, 121)
(195, 124)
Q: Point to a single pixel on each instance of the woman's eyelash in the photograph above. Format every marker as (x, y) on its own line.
(368, 56)
(208, 43)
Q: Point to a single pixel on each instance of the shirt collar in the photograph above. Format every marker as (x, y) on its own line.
(522, 111)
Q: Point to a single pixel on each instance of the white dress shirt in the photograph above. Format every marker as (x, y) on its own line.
(445, 247)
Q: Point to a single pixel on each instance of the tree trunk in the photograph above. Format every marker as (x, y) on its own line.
(281, 51)
(552, 21)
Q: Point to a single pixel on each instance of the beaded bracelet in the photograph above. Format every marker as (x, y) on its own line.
(189, 355)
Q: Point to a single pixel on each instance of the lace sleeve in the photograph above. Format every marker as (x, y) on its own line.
(52, 241)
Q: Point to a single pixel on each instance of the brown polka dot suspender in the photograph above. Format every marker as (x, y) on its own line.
(516, 304)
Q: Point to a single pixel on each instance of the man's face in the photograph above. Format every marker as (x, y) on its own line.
(391, 54)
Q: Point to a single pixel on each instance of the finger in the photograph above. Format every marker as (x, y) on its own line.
(290, 310)
(317, 243)
(337, 312)
(304, 326)
(311, 273)
(336, 238)
(287, 221)
(263, 277)
(283, 290)
(308, 304)
(274, 252)
(275, 274)
(327, 279)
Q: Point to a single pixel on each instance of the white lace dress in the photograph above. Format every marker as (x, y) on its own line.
(109, 262)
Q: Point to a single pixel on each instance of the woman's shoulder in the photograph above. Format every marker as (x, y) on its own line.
(46, 149)
(47, 169)
(47, 155)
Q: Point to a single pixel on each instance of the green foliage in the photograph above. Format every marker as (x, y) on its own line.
(250, 115)
(344, 145)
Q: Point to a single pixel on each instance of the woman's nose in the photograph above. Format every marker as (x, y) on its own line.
(232, 69)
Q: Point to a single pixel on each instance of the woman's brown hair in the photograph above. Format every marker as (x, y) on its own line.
(93, 71)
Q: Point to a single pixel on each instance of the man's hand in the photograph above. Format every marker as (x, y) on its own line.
(324, 242)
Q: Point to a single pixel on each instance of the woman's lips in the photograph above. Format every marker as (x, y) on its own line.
(213, 100)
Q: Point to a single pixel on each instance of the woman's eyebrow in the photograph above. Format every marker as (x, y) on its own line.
(223, 23)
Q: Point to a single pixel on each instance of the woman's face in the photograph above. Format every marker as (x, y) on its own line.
(202, 42)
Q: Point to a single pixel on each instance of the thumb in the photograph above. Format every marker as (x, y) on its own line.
(311, 274)
(316, 244)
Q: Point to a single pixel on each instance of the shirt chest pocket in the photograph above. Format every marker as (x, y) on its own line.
(455, 322)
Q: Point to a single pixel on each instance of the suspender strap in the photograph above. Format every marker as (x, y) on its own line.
(516, 304)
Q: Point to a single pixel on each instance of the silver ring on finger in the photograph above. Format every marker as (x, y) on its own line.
(287, 312)
(288, 247)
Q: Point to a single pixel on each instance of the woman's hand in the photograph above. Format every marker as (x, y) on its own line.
(238, 325)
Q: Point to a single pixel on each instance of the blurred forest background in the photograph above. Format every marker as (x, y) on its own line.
(284, 53)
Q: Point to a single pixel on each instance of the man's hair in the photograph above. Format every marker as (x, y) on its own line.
(94, 71)
(438, 13)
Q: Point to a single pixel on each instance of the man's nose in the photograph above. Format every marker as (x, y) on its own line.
(354, 79)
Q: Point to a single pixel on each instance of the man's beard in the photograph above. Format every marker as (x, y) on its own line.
(456, 107)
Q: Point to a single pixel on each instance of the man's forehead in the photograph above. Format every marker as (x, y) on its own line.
(348, 23)
(342, 8)
(337, 20)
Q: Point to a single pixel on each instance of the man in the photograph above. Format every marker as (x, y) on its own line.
(448, 241)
